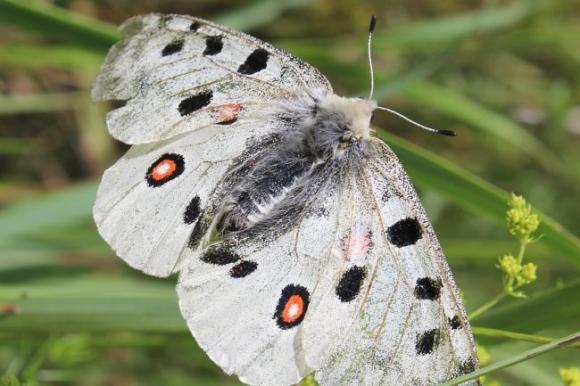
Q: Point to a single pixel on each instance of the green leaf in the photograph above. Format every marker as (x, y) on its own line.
(471, 192)
(57, 23)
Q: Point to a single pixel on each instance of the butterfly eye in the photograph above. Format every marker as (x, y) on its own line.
(372, 117)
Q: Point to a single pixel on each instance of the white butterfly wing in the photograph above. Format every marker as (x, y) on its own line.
(150, 200)
(379, 306)
(407, 325)
(196, 95)
(231, 296)
(178, 74)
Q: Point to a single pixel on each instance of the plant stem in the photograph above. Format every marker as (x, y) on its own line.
(494, 333)
(571, 339)
(487, 306)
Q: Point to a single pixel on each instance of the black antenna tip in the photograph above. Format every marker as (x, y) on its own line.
(449, 133)
(372, 24)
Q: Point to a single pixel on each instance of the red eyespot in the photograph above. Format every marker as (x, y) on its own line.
(163, 169)
(166, 168)
(292, 306)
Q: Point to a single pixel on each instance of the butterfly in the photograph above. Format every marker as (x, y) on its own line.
(299, 241)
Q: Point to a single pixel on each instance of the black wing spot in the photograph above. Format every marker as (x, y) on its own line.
(172, 48)
(405, 232)
(428, 289)
(350, 283)
(194, 26)
(255, 62)
(243, 269)
(292, 306)
(219, 256)
(213, 45)
(427, 341)
(455, 322)
(192, 211)
(194, 102)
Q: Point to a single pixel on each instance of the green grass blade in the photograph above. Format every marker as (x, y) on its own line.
(441, 31)
(258, 13)
(448, 29)
(471, 192)
(95, 35)
(89, 303)
(514, 360)
(57, 23)
(457, 106)
(516, 336)
(54, 210)
(17, 56)
(556, 308)
(40, 103)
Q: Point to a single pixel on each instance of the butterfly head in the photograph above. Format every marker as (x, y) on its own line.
(353, 115)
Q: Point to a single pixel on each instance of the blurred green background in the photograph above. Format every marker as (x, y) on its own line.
(504, 74)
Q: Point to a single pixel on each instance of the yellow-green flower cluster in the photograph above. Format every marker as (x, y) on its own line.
(509, 265)
(527, 274)
(571, 376)
(521, 221)
(516, 274)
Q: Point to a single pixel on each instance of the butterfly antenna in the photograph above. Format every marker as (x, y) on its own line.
(450, 133)
(372, 25)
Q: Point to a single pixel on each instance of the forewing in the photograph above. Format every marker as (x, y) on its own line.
(407, 325)
(150, 200)
(178, 74)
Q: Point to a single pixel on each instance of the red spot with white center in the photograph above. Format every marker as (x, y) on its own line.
(164, 168)
(167, 167)
(356, 244)
(227, 113)
(292, 306)
(293, 309)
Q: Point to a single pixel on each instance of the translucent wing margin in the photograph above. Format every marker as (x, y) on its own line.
(178, 73)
